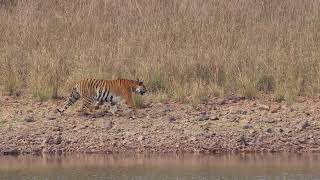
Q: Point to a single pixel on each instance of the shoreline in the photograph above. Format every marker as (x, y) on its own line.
(222, 125)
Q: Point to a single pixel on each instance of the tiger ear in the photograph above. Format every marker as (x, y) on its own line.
(140, 82)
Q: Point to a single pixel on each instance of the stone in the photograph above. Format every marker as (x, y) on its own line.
(264, 107)
(203, 117)
(221, 102)
(171, 119)
(108, 125)
(51, 118)
(140, 138)
(58, 140)
(275, 109)
(269, 130)
(12, 151)
(247, 126)
(303, 125)
(270, 120)
(214, 118)
(49, 140)
(29, 119)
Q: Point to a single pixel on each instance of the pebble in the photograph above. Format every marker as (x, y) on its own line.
(264, 107)
(303, 125)
(270, 121)
(29, 119)
(269, 130)
(58, 140)
(171, 119)
(275, 109)
(247, 126)
(214, 118)
(203, 117)
(51, 118)
(140, 138)
(108, 125)
(49, 140)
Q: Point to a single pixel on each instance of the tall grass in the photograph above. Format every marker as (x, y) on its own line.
(183, 48)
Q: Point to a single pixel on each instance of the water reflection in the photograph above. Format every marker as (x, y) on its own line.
(243, 166)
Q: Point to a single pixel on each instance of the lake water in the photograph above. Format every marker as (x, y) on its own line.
(196, 167)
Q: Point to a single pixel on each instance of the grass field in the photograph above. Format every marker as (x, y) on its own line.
(184, 49)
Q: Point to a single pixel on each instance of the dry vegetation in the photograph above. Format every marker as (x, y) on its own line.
(184, 49)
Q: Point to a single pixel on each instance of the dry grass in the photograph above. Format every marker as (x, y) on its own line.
(186, 49)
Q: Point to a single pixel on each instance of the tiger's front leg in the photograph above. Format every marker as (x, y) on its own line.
(87, 106)
(129, 102)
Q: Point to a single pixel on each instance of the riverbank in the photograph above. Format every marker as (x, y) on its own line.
(231, 124)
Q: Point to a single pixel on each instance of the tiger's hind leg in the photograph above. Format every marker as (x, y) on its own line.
(87, 106)
(98, 105)
(74, 96)
(113, 108)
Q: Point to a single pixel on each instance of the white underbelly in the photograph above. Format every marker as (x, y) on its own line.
(116, 99)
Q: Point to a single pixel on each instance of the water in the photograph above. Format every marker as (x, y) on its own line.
(196, 167)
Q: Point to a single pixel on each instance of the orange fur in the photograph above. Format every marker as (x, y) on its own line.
(104, 91)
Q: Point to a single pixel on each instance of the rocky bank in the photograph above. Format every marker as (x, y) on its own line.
(231, 124)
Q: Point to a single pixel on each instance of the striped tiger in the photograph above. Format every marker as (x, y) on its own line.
(112, 91)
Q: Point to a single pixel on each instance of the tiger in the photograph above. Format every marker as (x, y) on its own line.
(99, 90)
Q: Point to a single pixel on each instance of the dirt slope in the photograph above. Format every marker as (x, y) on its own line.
(229, 124)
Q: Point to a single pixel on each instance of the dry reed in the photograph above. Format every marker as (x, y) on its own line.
(185, 49)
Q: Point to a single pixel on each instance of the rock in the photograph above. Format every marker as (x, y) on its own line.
(140, 138)
(221, 102)
(29, 119)
(307, 113)
(108, 125)
(214, 118)
(83, 127)
(270, 120)
(12, 151)
(58, 140)
(303, 125)
(275, 109)
(57, 128)
(49, 140)
(171, 119)
(202, 117)
(287, 131)
(302, 140)
(235, 98)
(192, 139)
(51, 118)
(234, 118)
(252, 131)
(269, 130)
(241, 112)
(247, 126)
(243, 140)
(264, 107)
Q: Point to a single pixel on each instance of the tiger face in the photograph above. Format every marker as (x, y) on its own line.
(140, 88)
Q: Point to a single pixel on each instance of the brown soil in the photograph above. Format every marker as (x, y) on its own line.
(231, 124)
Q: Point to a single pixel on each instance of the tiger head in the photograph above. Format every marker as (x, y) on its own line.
(139, 87)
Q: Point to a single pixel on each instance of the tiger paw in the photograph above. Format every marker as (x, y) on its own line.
(56, 111)
(113, 109)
